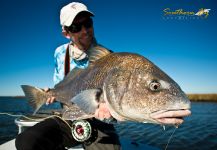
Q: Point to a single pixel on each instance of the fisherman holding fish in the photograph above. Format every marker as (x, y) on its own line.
(74, 58)
(53, 134)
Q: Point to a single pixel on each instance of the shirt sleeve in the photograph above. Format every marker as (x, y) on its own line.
(58, 65)
(57, 76)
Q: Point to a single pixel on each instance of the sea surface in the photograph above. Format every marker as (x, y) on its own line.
(199, 131)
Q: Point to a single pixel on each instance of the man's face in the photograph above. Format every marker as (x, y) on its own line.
(81, 32)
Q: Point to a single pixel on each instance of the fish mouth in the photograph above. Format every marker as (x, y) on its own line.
(170, 117)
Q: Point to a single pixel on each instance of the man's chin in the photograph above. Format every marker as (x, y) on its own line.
(85, 44)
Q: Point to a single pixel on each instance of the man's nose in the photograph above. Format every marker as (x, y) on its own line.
(84, 29)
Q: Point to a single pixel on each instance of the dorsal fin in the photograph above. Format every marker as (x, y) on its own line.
(97, 52)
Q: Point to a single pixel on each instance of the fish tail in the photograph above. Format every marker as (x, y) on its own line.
(35, 96)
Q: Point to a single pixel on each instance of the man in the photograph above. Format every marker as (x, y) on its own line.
(51, 134)
(54, 133)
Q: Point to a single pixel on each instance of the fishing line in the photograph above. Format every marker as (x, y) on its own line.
(170, 138)
(81, 130)
(32, 119)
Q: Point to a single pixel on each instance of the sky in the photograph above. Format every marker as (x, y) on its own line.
(183, 46)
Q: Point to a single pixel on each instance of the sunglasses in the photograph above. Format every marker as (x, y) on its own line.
(74, 28)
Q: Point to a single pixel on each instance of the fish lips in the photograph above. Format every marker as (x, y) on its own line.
(173, 116)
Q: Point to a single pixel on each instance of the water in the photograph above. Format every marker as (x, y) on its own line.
(17, 106)
(199, 131)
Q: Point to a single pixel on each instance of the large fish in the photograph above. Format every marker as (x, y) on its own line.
(132, 87)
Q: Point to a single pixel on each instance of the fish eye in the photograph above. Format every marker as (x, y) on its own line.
(154, 85)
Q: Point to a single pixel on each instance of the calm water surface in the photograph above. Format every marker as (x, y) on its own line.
(199, 132)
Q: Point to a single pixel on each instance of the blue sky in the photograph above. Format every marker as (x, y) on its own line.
(185, 48)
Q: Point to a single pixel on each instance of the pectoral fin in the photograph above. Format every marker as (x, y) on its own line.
(88, 100)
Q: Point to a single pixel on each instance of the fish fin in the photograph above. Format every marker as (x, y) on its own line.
(35, 96)
(97, 52)
(87, 100)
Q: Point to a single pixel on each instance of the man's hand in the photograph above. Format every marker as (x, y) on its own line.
(102, 112)
(50, 99)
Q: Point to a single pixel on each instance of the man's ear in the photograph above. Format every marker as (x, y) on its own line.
(65, 33)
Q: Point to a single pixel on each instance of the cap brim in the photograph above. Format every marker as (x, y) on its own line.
(89, 12)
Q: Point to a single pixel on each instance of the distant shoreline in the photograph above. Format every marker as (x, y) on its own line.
(203, 97)
(192, 97)
(13, 96)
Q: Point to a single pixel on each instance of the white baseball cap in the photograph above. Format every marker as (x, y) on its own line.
(70, 11)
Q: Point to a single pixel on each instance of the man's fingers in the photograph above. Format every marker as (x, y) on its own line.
(98, 114)
(50, 100)
(107, 115)
(105, 111)
(102, 112)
